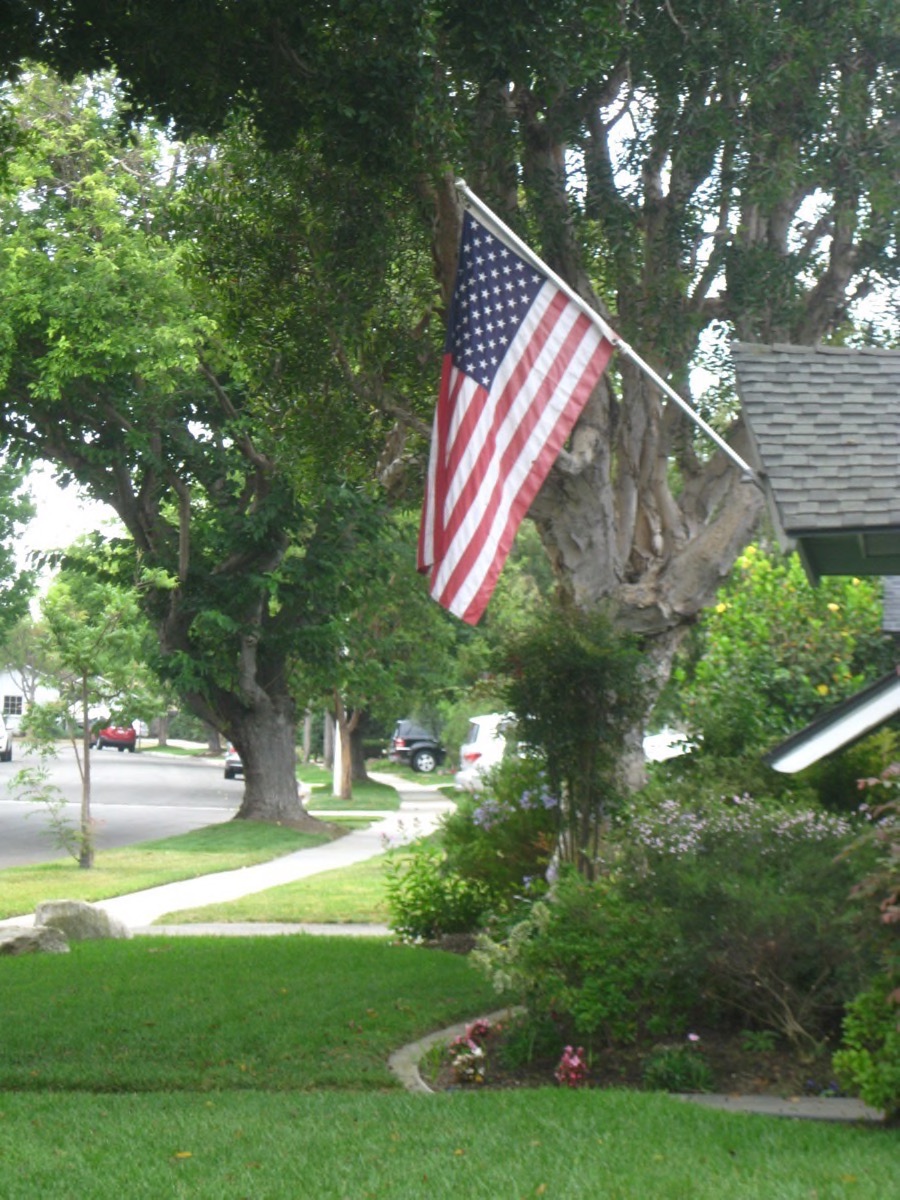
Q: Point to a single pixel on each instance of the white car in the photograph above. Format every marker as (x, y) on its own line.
(668, 743)
(5, 742)
(483, 748)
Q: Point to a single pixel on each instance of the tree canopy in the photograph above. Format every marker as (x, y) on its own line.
(696, 171)
(114, 370)
(17, 582)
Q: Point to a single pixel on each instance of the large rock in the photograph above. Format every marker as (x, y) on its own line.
(41, 939)
(79, 921)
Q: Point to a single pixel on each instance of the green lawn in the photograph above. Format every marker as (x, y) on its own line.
(214, 1013)
(210, 1068)
(256, 1067)
(369, 795)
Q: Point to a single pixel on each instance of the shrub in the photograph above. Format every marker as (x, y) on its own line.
(597, 963)
(426, 900)
(680, 1068)
(506, 836)
(760, 905)
(773, 652)
(736, 914)
(868, 1062)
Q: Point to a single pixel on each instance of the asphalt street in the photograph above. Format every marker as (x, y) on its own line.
(134, 797)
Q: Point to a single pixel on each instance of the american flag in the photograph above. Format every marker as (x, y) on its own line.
(520, 360)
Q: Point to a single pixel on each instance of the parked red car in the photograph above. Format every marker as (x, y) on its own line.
(123, 737)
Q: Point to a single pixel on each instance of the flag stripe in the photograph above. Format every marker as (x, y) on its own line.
(508, 418)
(483, 541)
(520, 362)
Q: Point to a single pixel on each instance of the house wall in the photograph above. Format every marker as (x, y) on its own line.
(13, 701)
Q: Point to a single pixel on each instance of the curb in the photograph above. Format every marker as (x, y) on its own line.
(405, 1062)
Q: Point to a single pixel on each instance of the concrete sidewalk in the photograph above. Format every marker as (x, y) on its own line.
(421, 809)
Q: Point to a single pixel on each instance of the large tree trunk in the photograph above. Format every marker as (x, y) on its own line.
(265, 740)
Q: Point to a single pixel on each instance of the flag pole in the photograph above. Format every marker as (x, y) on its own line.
(522, 248)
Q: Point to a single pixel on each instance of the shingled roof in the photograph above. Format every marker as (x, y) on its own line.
(824, 423)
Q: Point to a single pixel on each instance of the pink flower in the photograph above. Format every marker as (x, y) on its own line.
(572, 1069)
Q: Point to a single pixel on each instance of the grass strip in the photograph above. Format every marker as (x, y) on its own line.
(370, 795)
(222, 847)
(614, 1145)
(347, 895)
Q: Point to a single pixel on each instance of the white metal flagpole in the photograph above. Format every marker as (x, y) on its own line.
(490, 218)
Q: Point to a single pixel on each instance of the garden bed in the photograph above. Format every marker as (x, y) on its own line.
(738, 1063)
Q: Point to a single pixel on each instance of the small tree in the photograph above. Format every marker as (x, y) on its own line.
(384, 644)
(95, 633)
(574, 685)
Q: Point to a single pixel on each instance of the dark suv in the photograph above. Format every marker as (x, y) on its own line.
(415, 746)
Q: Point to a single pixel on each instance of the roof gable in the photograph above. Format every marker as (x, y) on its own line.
(824, 423)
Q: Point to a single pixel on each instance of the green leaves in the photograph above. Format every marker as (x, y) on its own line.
(774, 651)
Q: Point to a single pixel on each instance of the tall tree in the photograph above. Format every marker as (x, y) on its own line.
(695, 170)
(111, 368)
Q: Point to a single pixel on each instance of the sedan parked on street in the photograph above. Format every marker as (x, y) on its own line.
(123, 737)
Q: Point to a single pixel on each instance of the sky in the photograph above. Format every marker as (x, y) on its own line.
(62, 515)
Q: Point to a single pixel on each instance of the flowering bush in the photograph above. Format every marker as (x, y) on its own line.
(478, 1031)
(467, 1061)
(671, 828)
(760, 905)
(506, 836)
(735, 911)
(572, 1070)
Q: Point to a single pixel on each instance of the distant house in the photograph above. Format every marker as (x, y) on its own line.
(824, 425)
(15, 701)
